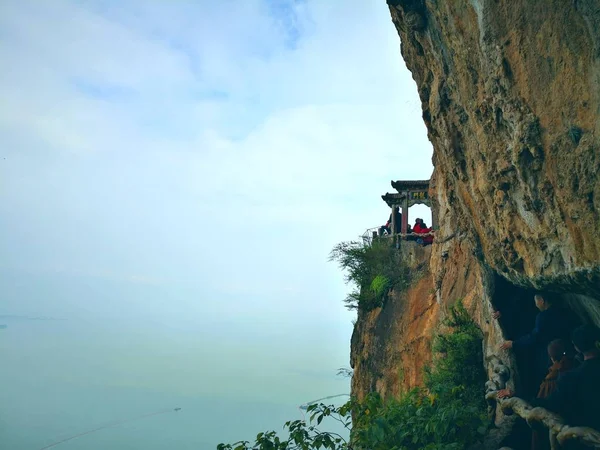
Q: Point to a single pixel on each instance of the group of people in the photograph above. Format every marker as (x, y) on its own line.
(566, 383)
(421, 228)
(414, 232)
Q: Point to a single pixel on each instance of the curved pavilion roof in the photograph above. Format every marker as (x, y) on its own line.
(410, 185)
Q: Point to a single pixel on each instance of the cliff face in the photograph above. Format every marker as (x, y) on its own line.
(511, 98)
(390, 345)
(510, 95)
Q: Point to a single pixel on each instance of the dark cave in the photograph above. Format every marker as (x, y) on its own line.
(518, 313)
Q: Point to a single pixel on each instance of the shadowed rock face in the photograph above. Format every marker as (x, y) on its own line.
(511, 97)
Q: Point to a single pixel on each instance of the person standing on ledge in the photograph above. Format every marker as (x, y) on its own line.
(550, 323)
(388, 225)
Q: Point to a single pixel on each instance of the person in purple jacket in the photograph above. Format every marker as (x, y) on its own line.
(552, 322)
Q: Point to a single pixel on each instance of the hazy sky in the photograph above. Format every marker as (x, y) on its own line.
(194, 162)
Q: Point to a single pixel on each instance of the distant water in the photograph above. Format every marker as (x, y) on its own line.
(62, 378)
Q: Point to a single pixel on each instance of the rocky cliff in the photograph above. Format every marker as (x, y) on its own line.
(510, 95)
(390, 345)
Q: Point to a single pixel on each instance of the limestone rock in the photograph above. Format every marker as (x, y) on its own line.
(510, 95)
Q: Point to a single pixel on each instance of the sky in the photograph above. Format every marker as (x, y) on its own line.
(188, 165)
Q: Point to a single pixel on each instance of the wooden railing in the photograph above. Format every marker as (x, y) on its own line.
(559, 432)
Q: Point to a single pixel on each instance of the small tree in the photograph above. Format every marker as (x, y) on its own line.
(448, 413)
(302, 435)
(372, 270)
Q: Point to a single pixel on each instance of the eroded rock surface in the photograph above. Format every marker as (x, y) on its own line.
(510, 94)
(391, 345)
(511, 98)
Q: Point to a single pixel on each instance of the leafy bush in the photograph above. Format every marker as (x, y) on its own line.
(380, 285)
(373, 270)
(458, 358)
(448, 413)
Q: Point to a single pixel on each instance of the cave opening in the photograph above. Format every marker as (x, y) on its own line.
(518, 313)
(516, 307)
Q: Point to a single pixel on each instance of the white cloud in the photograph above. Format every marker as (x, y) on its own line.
(192, 140)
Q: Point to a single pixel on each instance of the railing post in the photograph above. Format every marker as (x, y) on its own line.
(405, 214)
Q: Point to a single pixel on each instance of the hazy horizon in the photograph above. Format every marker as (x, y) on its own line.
(174, 176)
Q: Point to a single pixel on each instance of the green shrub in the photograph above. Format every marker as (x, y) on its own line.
(448, 413)
(380, 285)
(458, 358)
(373, 271)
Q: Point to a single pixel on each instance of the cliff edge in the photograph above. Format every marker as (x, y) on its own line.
(510, 95)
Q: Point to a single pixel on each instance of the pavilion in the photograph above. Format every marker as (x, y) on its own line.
(408, 193)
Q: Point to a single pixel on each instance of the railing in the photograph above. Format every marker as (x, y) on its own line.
(367, 236)
(559, 432)
(369, 233)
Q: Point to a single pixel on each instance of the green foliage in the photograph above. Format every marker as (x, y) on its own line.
(380, 286)
(302, 435)
(416, 420)
(373, 270)
(458, 358)
(448, 413)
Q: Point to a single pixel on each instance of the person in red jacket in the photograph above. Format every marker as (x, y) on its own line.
(421, 228)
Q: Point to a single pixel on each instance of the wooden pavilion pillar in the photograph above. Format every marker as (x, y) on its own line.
(405, 215)
(394, 209)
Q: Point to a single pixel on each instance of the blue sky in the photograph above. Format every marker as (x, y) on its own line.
(202, 156)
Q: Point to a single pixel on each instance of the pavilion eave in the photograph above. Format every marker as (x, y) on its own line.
(393, 199)
(410, 185)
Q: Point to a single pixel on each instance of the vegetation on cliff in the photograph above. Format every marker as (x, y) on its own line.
(373, 270)
(449, 412)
